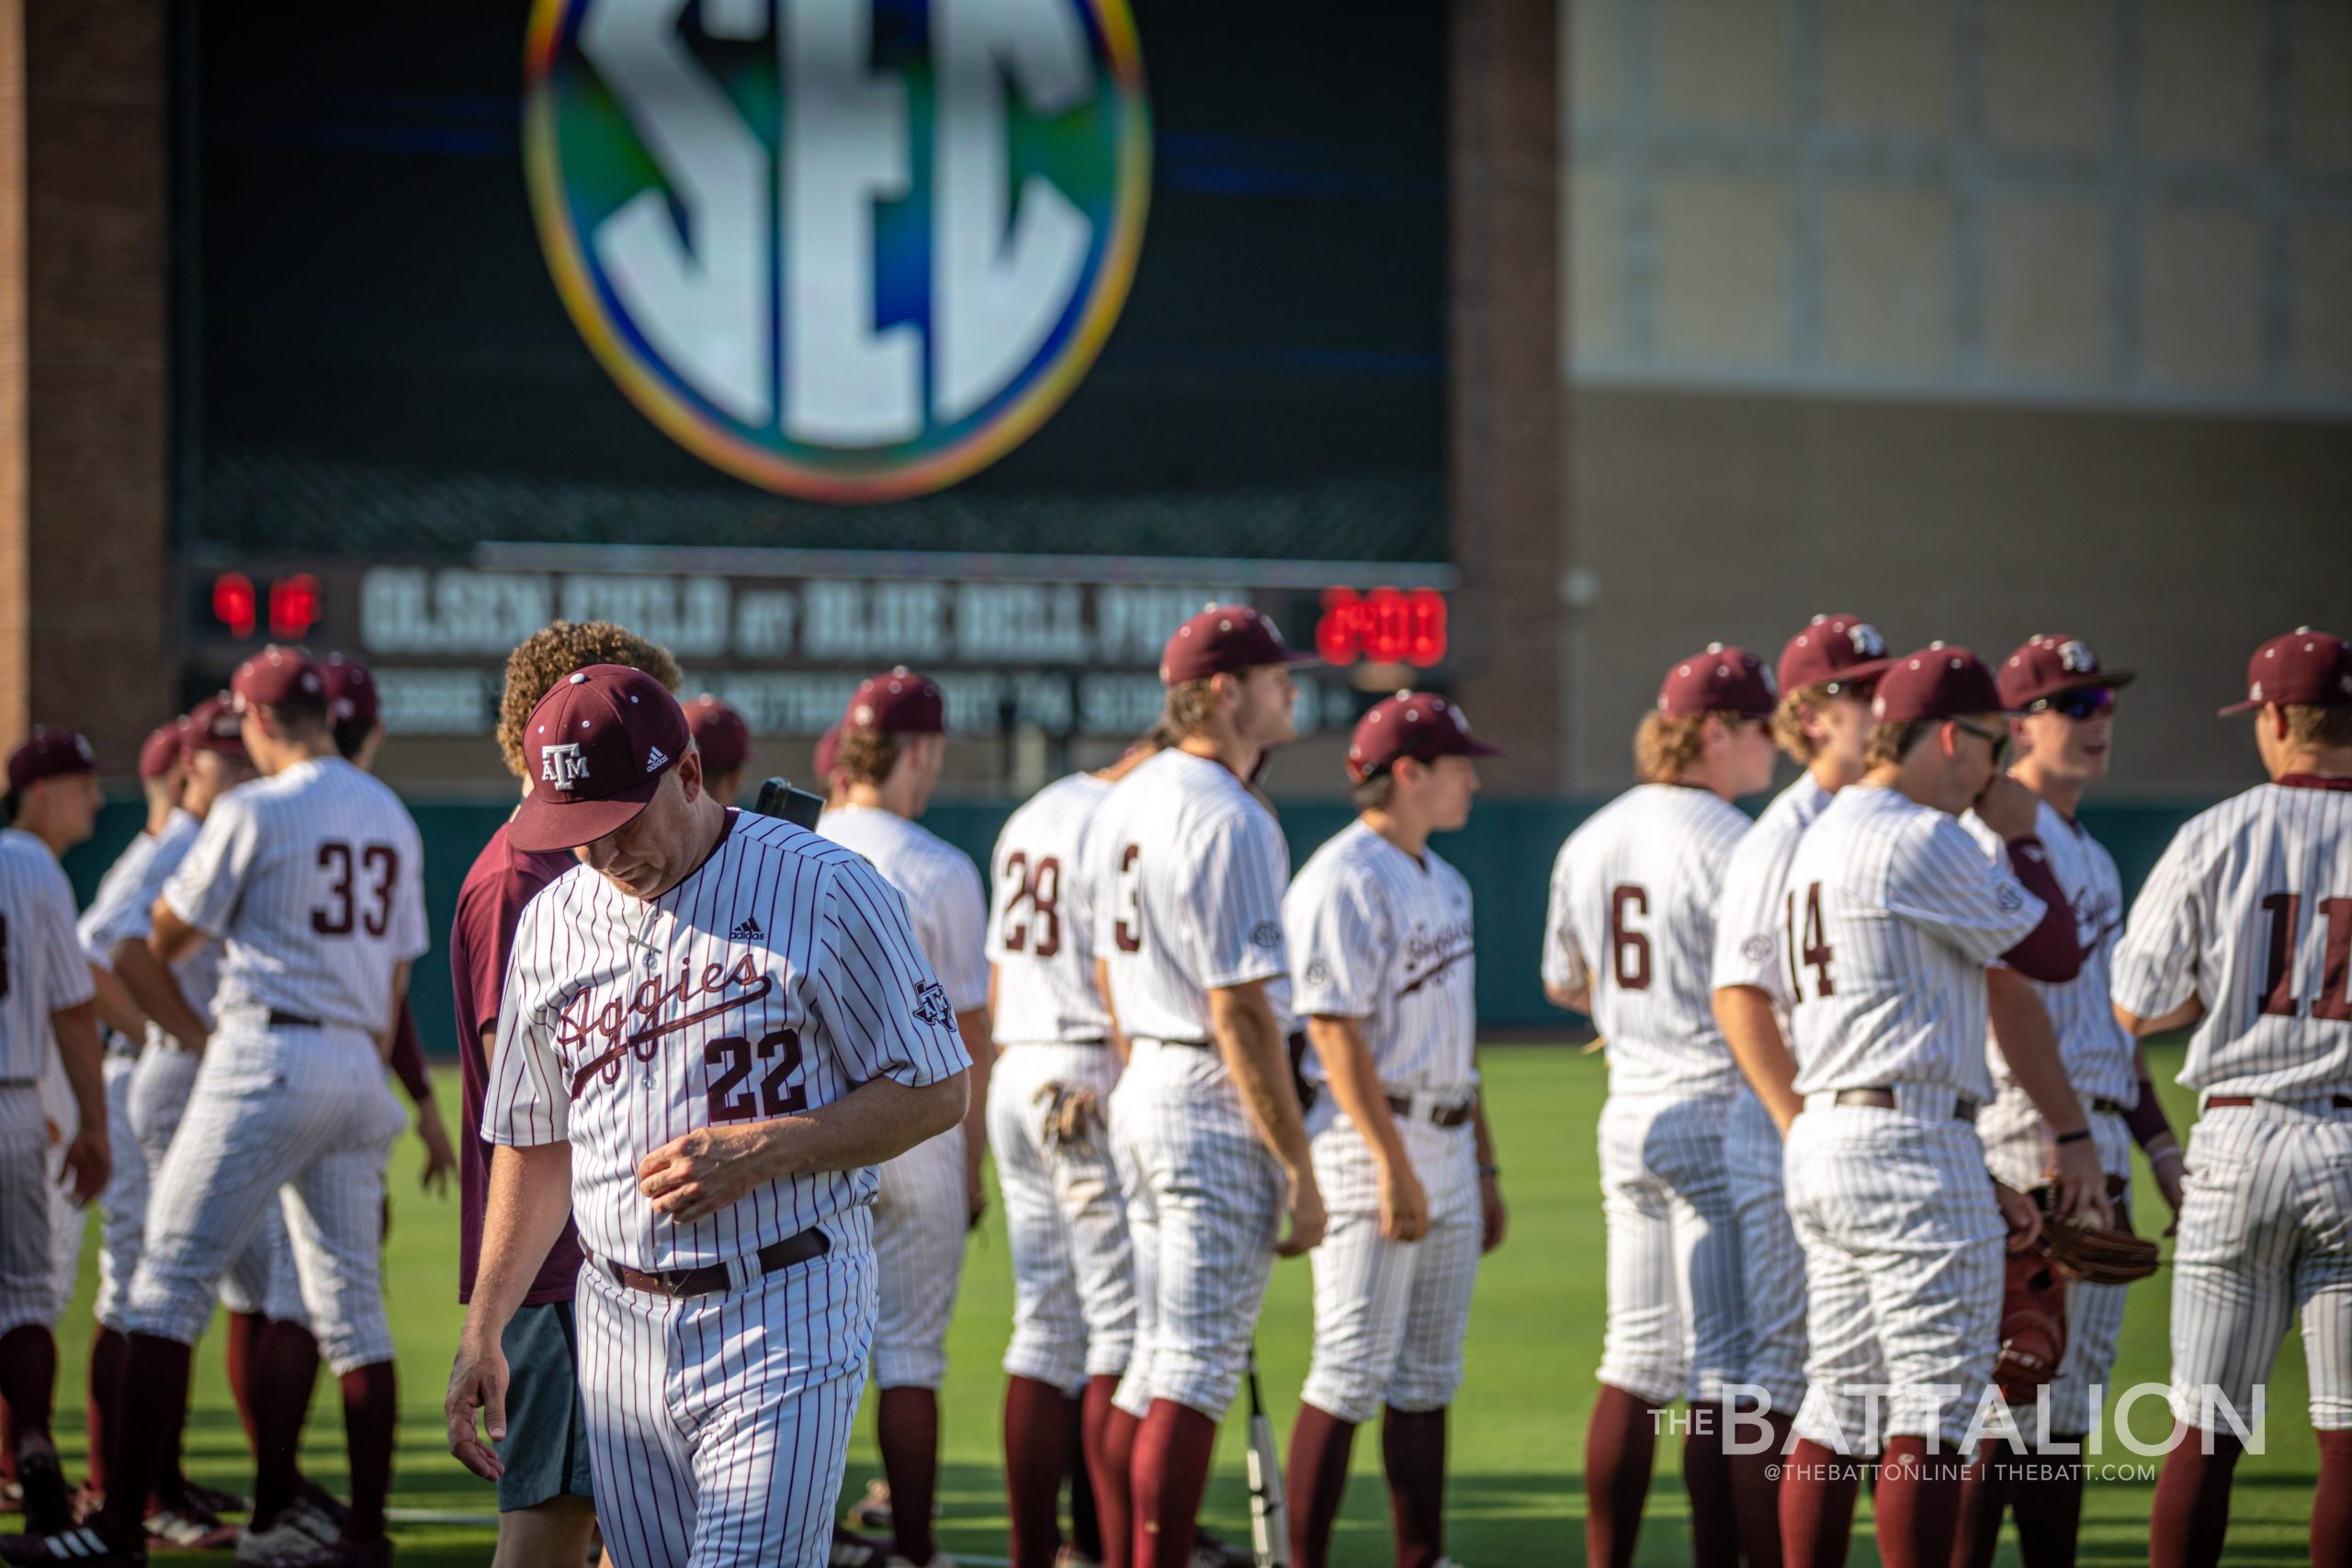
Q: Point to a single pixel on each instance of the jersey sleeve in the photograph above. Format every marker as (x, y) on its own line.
(206, 888)
(1565, 967)
(882, 1006)
(1339, 942)
(409, 940)
(960, 916)
(527, 1102)
(1236, 901)
(1941, 881)
(1748, 921)
(65, 968)
(2155, 964)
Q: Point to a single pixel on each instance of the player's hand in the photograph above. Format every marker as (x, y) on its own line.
(477, 1383)
(440, 1159)
(1307, 1219)
(2008, 807)
(2081, 1185)
(2018, 1212)
(88, 1164)
(704, 1171)
(2168, 1172)
(1493, 1218)
(1404, 1206)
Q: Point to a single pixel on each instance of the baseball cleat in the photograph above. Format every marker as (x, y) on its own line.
(1071, 1557)
(282, 1545)
(872, 1512)
(308, 1518)
(49, 1502)
(215, 1499)
(851, 1550)
(82, 1544)
(1209, 1551)
(189, 1526)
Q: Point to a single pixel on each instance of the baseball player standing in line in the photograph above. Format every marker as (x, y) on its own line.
(311, 878)
(2067, 702)
(546, 1507)
(1824, 717)
(1384, 970)
(1629, 941)
(2244, 929)
(1892, 913)
(713, 1027)
(894, 744)
(1186, 872)
(725, 742)
(51, 801)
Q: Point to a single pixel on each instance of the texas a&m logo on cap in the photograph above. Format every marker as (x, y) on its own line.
(563, 764)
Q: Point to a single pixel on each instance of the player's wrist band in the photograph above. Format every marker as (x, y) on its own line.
(1484, 1171)
(2172, 1151)
(2076, 1136)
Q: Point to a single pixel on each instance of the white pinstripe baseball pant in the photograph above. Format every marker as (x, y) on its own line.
(1676, 1328)
(122, 1207)
(921, 1218)
(28, 1261)
(718, 1425)
(1772, 1259)
(1390, 1317)
(2265, 1223)
(1904, 1259)
(1073, 1267)
(1204, 1209)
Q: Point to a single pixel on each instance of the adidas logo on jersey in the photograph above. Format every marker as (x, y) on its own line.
(747, 930)
(654, 757)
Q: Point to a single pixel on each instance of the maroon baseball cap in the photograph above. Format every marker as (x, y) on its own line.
(1941, 681)
(1719, 678)
(49, 754)
(275, 675)
(896, 702)
(828, 751)
(350, 692)
(160, 752)
(1224, 639)
(1411, 724)
(1841, 651)
(597, 746)
(212, 725)
(2303, 669)
(721, 734)
(2051, 664)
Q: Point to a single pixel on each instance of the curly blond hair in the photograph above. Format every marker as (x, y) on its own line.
(549, 654)
(1662, 747)
(866, 756)
(1788, 719)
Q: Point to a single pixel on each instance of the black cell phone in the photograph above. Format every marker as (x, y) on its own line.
(779, 797)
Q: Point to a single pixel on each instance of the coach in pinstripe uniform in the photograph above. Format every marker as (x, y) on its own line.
(1631, 941)
(2244, 930)
(1893, 912)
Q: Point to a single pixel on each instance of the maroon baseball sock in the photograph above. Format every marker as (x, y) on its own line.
(1109, 1456)
(1918, 1504)
(27, 1380)
(7, 1441)
(240, 1354)
(151, 1365)
(1706, 1476)
(107, 1349)
(1317, 1480)
(1036, 1451)
(1169, 1475)
(906, 1420)
(2046, 1495)
(1756, 1496)
(284, 1371)
(1620, 1446)
(2191, 1510)
(1983, 1500)
(1085, 1523)
(1412, 1453)
(370, 1421)
(2332, 1509)
(1817, 1493)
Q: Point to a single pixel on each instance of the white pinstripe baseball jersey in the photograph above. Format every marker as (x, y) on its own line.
(117, 899)
(313, 879)
(2098, 1056)
(1891, 915)
(1379, 936)
(779, 975)
(942, 888)
(1750, 916)
(1633, 915)
(1041, 932)
(42, 970)
(2250, 912)
(1189, 871)
(197, 971)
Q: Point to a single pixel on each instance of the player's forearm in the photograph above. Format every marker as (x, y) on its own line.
(877, 1120)
(1118, 1039)
(388, 1040)
(76, 1028)
(1753, 1031)
(2021, 1029)
(1258, 1057)
(529, 1199)
(2151, 1128)
(1572, 998)
(157, 991)
(979, 1044)
(1347, 1065)
(2140, 1028)
(170, 938)
(1482, 1136)
(116, 1010)
(2051, 951)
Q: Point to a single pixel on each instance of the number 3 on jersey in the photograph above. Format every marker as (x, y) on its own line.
(1127, 931)
(1813, 949)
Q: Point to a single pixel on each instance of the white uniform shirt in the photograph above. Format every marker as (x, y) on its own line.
(43, 968)
(118, 895)
(1380, 937)
(942, 888)
(2098, 1053)
(1041, 932)
(781, 974)
(1754, 904)
(315, 880)
(2250, 912)
(197, 971)
(1892, 913)
(1187, 871)
(1633, 917)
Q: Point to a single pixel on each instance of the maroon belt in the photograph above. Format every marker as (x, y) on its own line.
(2340, 1102)
(1963, 1110)
(712, 1277)
(1444, 1116)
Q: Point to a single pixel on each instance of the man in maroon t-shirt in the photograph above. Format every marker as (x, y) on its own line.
(545, 1514)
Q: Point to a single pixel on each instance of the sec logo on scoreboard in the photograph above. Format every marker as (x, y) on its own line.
(849, 249)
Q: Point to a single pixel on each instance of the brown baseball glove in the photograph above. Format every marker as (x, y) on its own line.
(1071, 1114)
(2033, 1326)
(2100, 1256)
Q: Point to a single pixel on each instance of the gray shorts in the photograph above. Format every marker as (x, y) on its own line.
(545, 1447)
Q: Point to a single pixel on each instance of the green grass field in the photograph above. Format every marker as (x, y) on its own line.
(1516, 1496)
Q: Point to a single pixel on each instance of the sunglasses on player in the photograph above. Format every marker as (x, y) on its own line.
(1999, 738)
(2087, 702)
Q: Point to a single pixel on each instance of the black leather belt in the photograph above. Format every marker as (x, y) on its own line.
(1187, 1044)
(712, 1277)
(2340, 1102)
(280, 1019)
(1963, 1110)
(1443, 1116)
(2109, 1107)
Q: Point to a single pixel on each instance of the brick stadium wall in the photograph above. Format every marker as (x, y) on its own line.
(84, 423)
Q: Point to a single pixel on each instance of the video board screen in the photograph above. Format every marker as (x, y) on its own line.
(1123, 277)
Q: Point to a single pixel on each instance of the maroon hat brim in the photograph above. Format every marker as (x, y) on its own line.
(543, 827)
(2246, 706)
(1855, 674)
(2090, 682)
